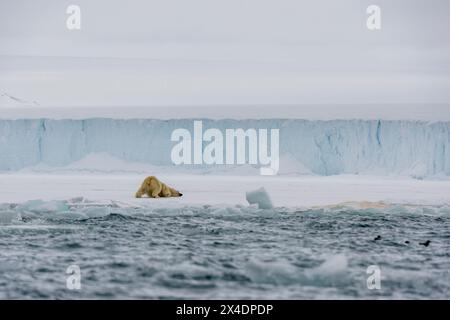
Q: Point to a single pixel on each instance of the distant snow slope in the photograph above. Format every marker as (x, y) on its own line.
(9, 101)
(418, 149)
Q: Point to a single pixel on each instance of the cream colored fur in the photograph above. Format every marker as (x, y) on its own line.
(154, 188)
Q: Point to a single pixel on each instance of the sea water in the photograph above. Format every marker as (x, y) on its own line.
(222, 252)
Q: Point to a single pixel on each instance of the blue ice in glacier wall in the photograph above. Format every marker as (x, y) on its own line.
(324, 147)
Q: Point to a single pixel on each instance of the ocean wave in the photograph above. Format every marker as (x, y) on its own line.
(153, 250)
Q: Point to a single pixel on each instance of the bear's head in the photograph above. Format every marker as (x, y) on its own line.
(175, 193)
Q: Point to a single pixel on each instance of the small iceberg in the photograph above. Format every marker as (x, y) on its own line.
(259, 197)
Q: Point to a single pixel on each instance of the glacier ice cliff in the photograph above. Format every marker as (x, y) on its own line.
(322, 147)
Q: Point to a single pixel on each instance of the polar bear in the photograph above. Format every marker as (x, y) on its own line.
(155, 189)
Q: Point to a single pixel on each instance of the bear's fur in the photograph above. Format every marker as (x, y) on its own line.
(154, 188)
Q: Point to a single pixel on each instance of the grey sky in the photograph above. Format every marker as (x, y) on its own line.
(225, 52)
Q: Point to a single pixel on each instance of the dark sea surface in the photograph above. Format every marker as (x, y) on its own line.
(236, 252)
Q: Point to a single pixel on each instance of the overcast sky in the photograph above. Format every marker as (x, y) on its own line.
(188, 52)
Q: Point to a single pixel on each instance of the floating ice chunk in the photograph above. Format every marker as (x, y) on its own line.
(76, 200)
(29, 205)
(54, 206)
(9, 216)
(43, 206)
(260, 197)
